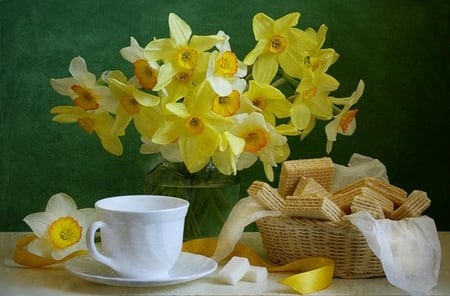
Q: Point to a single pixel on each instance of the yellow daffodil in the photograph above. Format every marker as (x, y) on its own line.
(278, 44)
(180, 53)
(99, 122)
(226, 157)
(261, 141)
(268, 100)
(195, 126)
(312, 100)
(83, 89)
(134, 104)
(61, 229)
(344, 123)
(146, 72)
(225, 71)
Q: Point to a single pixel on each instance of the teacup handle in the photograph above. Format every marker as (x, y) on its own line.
(90, 241)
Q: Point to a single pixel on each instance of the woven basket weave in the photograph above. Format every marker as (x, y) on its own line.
(287, 239)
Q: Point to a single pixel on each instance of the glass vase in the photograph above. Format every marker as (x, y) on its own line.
(211, 195)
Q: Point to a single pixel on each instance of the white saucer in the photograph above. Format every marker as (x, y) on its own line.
(189, 267)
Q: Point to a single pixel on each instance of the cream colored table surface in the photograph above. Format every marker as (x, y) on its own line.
(57, 281)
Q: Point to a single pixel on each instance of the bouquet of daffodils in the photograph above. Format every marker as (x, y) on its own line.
(194, 101)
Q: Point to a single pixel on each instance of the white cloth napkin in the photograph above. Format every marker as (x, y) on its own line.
(409, 249)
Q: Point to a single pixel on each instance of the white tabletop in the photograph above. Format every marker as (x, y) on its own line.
(57, 281)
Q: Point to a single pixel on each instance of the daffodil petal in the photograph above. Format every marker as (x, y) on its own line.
(61, 204)
(180, 31)
(40, 247)
(262, 26)
(265, 68)
(79, 71)
(259, 49)
(39, 222)
(220, 85)
(62, 85)
(282, 24)
(146, 99)
(203, 43)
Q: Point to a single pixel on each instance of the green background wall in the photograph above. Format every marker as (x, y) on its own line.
(399, 48)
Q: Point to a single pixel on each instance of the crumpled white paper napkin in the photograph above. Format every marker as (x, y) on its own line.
(359, 166)
(409, 249)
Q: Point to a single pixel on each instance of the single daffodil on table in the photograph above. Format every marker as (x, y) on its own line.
(278, 44)
(61, 229)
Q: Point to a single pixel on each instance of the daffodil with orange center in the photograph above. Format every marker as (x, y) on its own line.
(312, 99)
(268, 100)
(181, 53)
(195, 126)
(344, 123)
(100, 123)
(279, 44)
(146, 72)
(83, 89)
(61, 229)
(225, 71)
(134, 104)
(261, 142)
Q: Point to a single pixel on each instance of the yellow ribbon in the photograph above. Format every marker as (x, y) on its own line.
(315, 273)
(22, 256)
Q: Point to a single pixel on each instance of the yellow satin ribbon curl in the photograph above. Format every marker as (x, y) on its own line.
(315, 273)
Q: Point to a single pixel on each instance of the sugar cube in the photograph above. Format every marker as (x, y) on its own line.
(234, 270)
(256, 274)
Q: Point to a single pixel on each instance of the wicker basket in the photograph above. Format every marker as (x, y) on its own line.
(287, 239)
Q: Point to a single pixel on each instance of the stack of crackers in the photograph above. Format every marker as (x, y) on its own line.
(304, 192)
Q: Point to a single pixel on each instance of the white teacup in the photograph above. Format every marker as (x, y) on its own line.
(141, 235)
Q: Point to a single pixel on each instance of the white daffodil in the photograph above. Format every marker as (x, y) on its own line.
(61, 229)
(83, 89)
(225, 72)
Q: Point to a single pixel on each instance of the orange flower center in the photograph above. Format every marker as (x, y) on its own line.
(194, 125)
(146, 75)
(86, 124)
(346, 118)
(227, 105)
(255, 140)
(130, 105)
(65, 232)
(277, 44)
(85, 99)
(310, 93)
(184, 76)
(260, 103)
(227, 63)
(187, 58)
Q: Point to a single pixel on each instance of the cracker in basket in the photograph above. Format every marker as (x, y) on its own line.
(393, 193)
(415, 204)
(321, 169)
(265, 195)
(344, 198)
(313, 206)
(365, 203)
(308, 185)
